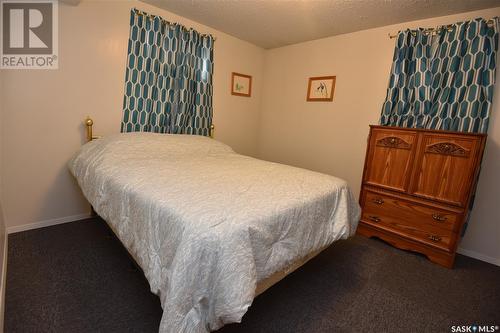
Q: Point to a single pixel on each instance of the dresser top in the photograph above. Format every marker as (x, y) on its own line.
(427, 130)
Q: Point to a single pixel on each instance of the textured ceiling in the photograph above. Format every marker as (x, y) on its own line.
(275, 23)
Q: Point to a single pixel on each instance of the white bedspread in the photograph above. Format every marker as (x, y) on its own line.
(206, 224)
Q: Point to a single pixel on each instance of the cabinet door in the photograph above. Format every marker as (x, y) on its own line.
(446, 167)
(390, 157)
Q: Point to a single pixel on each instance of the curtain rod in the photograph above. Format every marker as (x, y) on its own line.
(434, 31)
(140, 12)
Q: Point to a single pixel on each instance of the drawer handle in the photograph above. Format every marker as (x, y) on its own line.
(439, 217)
(378, 201)
(435, 238)
(374, 218)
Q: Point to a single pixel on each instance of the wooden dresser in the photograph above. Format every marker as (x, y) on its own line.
(417, 188)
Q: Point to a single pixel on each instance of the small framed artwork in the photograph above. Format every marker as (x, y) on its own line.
(321, 88)
(241, 85)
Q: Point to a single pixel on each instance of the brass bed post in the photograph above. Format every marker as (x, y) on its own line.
(89, 122)
(212, 131)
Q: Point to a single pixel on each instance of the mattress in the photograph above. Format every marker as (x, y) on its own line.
(207, 224)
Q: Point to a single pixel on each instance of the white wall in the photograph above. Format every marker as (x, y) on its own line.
(44, 109)
(331, 137)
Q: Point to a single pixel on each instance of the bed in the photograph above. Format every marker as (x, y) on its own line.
(211, 229)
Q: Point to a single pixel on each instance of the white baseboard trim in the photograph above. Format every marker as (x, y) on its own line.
(4, 281)
(18, 228)
(479, 256)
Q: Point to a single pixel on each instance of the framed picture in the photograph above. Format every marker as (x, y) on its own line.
(241, 84)
(321, 88)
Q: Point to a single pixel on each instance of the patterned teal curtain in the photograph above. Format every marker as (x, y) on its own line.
(443, 81)
(168, 80)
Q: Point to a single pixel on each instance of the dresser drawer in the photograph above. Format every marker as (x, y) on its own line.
(426, 224)
(414, 213)
(439, 238)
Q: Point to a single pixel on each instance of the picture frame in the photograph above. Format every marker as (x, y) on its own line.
(321, 88)
(241, 84)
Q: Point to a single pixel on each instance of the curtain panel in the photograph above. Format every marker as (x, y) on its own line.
(168, 79)
(443, 81)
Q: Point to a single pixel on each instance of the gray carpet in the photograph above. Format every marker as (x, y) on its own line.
(77, 277)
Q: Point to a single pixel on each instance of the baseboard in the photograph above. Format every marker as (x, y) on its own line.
(479, 256)
(4, 281)
(18, 228)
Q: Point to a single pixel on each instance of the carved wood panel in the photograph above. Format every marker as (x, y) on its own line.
(447, 148)
(393, 142)
(390, 159)
(445, 168)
